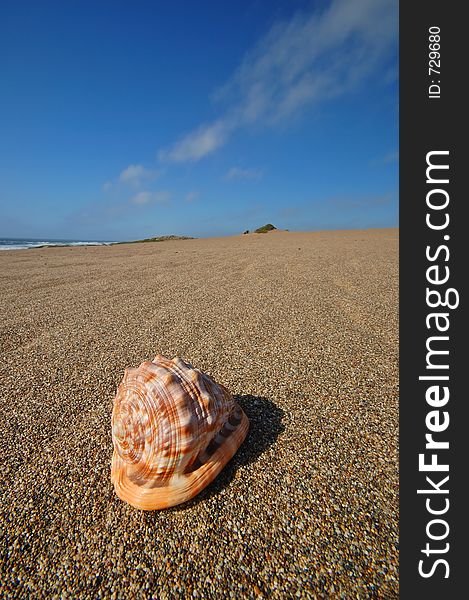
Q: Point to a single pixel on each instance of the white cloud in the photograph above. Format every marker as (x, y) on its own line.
(197, 144)
(300, 62)
(134, 174)
(237, 173)
(147, 198)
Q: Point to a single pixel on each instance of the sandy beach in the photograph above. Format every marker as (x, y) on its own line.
(303, 330)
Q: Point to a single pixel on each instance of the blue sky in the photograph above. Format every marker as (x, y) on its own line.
(122, 120)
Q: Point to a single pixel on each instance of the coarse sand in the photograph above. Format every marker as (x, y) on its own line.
(301, 327)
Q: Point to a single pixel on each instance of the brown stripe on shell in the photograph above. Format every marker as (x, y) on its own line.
(235, 419)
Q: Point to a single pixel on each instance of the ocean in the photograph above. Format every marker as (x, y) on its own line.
(24, 243)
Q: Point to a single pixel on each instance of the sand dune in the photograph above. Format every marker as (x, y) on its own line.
(301, 327)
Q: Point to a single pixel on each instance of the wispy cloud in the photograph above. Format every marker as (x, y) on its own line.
(237, 173)
(198, 143)
(135, 174)
(148, 198)
(299, 63)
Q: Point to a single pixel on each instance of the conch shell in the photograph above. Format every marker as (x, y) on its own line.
(173, 430)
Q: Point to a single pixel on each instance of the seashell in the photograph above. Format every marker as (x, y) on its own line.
(173, 430)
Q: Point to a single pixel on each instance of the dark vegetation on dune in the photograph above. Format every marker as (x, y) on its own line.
(265, 228)
(161, 238)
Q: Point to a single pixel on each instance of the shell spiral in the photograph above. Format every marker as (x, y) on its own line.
(173, 430)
